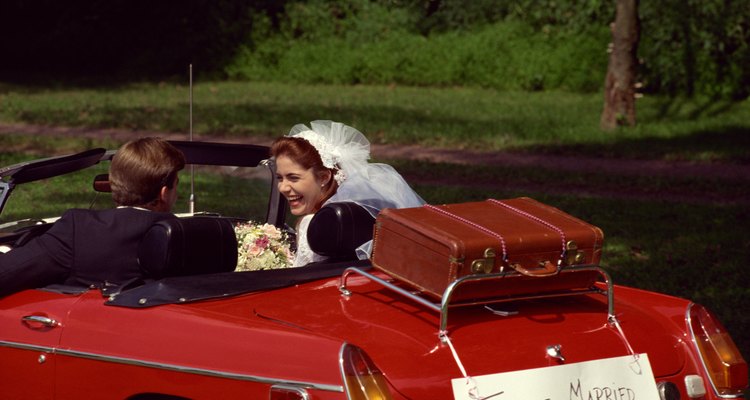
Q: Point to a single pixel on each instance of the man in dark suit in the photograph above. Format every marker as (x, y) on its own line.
(99, 247)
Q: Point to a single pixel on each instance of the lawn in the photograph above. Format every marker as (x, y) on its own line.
(550, 122)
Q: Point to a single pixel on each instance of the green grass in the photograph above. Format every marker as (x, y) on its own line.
(551, 122)
(17, 148)
(550, 180)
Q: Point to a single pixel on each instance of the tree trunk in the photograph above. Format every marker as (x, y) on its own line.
(619, 84)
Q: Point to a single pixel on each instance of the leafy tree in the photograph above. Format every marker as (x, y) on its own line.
(696, 47)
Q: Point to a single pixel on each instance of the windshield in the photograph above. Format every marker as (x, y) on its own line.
(239, 192)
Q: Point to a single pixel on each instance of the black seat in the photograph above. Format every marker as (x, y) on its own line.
(338, 229)
(188, 246)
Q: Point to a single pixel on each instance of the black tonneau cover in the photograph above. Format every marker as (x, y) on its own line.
(185, 289)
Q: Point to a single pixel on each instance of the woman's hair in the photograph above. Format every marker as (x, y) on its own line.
(303, 153)
(140, 168)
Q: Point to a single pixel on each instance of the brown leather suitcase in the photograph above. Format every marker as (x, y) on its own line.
(534, 244)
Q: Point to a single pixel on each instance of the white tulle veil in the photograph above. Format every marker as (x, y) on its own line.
(374, 186)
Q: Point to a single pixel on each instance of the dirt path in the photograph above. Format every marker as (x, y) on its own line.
(729, 173)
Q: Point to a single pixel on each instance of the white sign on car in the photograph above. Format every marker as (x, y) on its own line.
(619, 378)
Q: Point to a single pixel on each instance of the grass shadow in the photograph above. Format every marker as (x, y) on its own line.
(725, 144)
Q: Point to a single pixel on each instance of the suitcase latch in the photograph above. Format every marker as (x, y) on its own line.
(486, 264)
(572, 255)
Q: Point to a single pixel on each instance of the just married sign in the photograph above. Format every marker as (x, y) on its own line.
(618, 378)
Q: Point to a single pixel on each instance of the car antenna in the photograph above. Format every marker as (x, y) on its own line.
(191, 201)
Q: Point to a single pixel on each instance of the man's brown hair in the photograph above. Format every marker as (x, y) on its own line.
(140, 168)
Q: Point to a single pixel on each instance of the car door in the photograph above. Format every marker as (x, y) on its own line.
(31, 325)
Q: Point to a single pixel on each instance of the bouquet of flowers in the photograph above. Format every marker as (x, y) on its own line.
(261, 246)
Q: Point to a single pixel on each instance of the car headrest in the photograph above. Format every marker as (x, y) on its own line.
(338, 229)
(188, 246)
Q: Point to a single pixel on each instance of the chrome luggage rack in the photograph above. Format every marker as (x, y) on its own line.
(445, 302)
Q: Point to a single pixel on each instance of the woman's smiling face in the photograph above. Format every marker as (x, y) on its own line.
(301, 187)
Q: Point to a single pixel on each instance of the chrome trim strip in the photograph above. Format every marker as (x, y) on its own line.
(24, 346)
(341, 367)
(707, 375)
(298, 390)
(175, 368)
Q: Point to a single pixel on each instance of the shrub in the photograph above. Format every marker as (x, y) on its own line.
(504, 56)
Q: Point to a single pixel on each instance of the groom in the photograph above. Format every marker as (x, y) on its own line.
(98, 247)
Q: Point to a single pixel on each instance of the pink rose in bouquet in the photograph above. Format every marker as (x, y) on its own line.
(261, 246)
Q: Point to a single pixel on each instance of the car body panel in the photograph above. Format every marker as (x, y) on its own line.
(254, 340)
(27, 349)
(203, 341)
(409, 349)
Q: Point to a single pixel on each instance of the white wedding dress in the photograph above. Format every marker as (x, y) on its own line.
(305, 255)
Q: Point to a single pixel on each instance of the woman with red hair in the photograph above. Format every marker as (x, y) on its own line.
(327, 162)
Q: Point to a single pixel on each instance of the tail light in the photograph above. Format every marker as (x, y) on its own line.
(726, 368)
(363, 380)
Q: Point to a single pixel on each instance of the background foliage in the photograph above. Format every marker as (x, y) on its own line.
(687, 46)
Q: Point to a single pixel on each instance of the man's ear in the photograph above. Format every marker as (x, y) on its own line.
(163, 202)
(164, 194)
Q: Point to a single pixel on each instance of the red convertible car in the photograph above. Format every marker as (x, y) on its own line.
(334, 330)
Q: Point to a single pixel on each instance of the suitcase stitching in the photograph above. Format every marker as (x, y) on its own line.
(596, 233)
(539, 220)
(504, 259)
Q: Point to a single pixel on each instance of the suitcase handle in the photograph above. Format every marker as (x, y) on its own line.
(548, 269)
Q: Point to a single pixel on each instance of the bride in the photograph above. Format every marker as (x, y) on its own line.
(327, 162)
